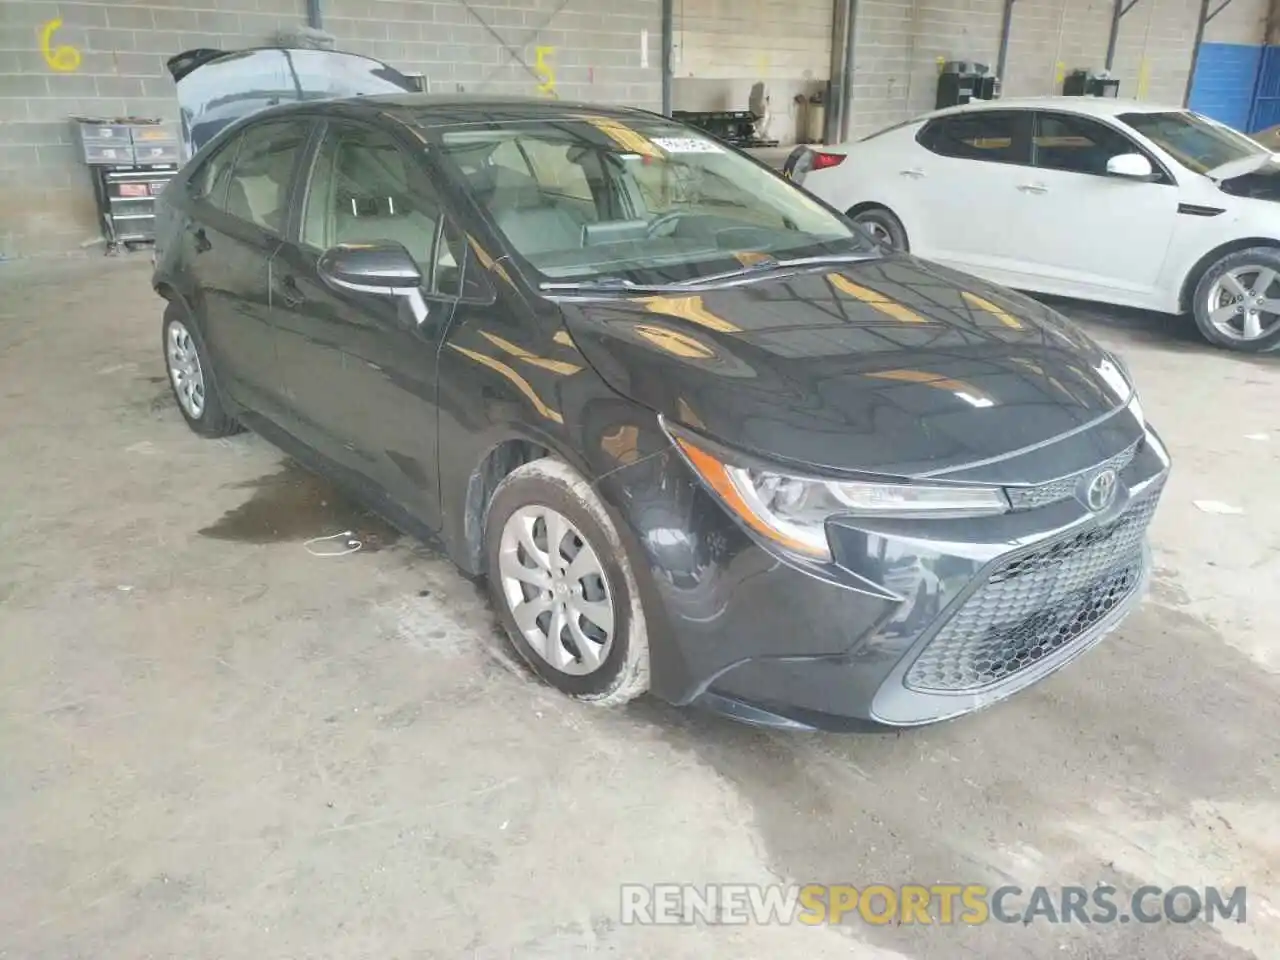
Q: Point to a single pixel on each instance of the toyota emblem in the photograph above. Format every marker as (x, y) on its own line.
(1101, 491)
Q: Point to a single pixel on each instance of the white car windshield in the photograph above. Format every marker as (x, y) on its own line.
(1194, 141)
(644, 201)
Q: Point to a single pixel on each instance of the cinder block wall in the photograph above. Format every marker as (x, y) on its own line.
(46, 202)
(896, 51)
(723, 47)
(899, 43)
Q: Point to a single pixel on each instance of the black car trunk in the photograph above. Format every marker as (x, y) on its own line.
(218, 87)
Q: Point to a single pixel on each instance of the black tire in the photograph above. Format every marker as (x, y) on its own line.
(1261, 258)
(213, 420)
(884, 227)
(623, 672)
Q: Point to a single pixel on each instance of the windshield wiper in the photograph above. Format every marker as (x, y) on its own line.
(746, 270)
(603, 283)
(771, 264)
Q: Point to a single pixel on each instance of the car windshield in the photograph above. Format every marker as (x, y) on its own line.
(1194, 141)
(599, 199)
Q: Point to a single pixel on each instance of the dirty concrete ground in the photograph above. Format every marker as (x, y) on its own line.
(216, 744)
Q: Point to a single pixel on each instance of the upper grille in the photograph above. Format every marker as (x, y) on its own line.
(1028, 498)
(1035, 605)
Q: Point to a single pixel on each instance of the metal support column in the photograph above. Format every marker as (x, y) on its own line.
(850, 36)
(1205, 16)
(668, 53)
(1117, 14)
(838, 88)
(1006, 25)
(315, 19)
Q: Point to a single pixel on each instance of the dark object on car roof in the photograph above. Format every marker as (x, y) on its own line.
(737, 127)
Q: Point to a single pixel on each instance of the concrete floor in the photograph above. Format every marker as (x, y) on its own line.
(218, 745)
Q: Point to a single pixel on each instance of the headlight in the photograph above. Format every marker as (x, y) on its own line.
(793, 510)
(1136, 409)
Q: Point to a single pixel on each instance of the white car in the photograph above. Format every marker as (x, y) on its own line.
(1100, 199)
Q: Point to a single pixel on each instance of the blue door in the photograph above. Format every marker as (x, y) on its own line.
(1266, 100)
(1225, 81)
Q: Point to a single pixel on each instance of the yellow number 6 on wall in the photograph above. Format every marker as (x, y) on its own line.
(546, 73)
(65, 58)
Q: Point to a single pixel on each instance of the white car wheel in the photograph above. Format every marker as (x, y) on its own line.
(1237, 301)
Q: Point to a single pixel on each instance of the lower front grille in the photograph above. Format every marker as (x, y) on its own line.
(1035, 605)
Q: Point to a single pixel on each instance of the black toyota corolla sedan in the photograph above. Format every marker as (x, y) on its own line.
(699, 434)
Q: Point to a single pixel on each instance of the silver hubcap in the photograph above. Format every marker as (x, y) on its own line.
(184, 370)
(556, 588)
(1242, 304)
(878, 231)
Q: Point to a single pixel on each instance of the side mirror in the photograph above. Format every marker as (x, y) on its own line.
(383, 267)
(1131, 166)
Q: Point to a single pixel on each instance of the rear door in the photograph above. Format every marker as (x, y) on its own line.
(359, 371)
(967, 186)
(238, 227)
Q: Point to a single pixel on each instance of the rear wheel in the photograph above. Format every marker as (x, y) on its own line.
(883, 227)
(561, 581)
(1237, 301)
(191, 377)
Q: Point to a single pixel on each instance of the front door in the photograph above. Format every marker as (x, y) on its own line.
(231, 246)
(359, 370)
(1090, 231)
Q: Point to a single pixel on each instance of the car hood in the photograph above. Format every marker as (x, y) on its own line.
(218, 87)
(892, 366)
(1242, 166)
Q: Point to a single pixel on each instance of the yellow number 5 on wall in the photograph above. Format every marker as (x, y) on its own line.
(65, 58)
(545, 71)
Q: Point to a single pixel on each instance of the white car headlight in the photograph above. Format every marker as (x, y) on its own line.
(793, 510)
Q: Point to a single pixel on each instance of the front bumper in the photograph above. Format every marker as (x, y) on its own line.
(914, 622)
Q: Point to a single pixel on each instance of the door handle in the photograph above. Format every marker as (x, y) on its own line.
(200, 237)
(915, 173)
(1033, 188)
(289, 292)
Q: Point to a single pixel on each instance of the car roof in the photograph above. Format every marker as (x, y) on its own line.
(437, 110)
(1088, 106)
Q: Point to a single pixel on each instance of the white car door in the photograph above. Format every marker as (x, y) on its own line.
(1081, 231)
(964, 183)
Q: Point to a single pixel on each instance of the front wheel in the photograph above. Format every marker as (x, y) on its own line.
(1237, 301)
(561, 581)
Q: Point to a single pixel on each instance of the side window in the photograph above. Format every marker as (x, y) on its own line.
(1077, 144)
(554, 171)
(508, 155)
(360, 192)
(998, 136)
(258, 190)
(209, 183)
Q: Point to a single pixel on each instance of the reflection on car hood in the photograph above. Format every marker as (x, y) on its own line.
(891, 366)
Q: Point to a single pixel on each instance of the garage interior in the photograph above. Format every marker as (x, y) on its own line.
(221, 741)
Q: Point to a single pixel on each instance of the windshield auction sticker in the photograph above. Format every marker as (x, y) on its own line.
(686, 145)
